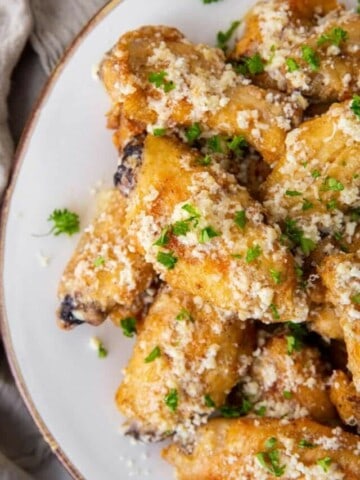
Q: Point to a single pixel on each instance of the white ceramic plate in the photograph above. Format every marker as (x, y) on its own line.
(65, 153)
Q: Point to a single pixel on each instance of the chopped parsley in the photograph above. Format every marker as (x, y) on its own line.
(182, 227)
(195, 214)
(128, 326)
(224, 37)
(274, 312)
(209, 402)
(237, 144)
(99, 261)
(293, 193)
(276, 276)
(184, 315)
(230, 411)
(307, 205)
(64, 222)
(261, 411)
(356, 298)
(315, 173)
(310, 57)
(155, 353)
(306, 444)
(102, 351)
(253, 253)
(209, 1)
(164, 238)
(336, 36)
(292, 65)
(355, 214)
(294, 341)
(167, 259)
(330, 183)
(293, 344)
(325, 463)
(205, 161)
(288, 395)
(159, 80)
(296, 235)
(250, 65)
(270, 459)
(215, 145)
(332, 204)
(159, 132)
(355, 105)
(192, 133)
(240, 218)
(172, 399)
(207, 234)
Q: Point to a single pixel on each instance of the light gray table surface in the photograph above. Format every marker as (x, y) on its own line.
(27, 82)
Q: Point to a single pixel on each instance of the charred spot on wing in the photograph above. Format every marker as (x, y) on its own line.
(131, 158)
(71, 313)
(145, 436)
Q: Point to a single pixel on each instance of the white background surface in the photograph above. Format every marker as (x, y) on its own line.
(68, 153)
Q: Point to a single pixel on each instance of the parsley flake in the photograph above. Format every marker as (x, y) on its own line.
(292, 65)
(205, 161)
(224, 37)
(237, 144)
(209, 402)
(182, 227)
(307, 205)
(293, 193)
(274, 312)
(356, 298)
(253, 253)
(276, 276)
(184, 315)
(288, 395)
(215, 145)
(172, 399)
(306, 444)
(336, 36)
(270, 459)
(331, 205)
(64, 222)
(167, 259)
(240, 219)
(159, 132)
(207, 234)
(155, 353)
(159, 80)
(325, 463)
(310, 57)
(209, 1)
(99, 261)
(192, 133)
(355, 105)
(261, 411)
(330, 183)
(164, 238)
(128, 326)
(315, 173)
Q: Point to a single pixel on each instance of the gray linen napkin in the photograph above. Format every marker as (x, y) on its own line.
(50, 25)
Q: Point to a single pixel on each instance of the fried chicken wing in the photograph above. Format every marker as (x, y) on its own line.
(288, 380)
(162, 80)
(314, 189)
(324, 320)
(307, 46)
(206, 236)
(345, 398)
(263, 449)
(187, 358)
(104, 271)
(340, 274)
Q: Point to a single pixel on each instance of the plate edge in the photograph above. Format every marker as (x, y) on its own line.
(16, 166)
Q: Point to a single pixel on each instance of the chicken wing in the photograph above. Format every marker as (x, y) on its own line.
(206, 236)
(345, 398)
(263, 449)
(104, 270)
(307, 46)
(187, 358)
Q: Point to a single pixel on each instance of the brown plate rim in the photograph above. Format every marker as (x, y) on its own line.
(16, 166)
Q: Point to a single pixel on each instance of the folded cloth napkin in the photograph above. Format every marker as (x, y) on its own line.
(50, 25)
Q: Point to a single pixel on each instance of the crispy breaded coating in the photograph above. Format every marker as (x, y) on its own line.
(187, 358)
(206, 236)
(345, 398)
(162, 80)
(340, 274)
(311, 47)
(264, 449)
(104, 271)
(317, 183)
(325, 321)
(288, 380)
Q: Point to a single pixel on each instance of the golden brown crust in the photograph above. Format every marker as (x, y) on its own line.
(229, 450)
(345, 398)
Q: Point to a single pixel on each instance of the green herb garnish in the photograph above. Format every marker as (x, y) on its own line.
(307, 205)
(224, 37)
(159, 132)
(64, 222)
(336, 36)
(253, 253)
(274, 312)
(184, 315)
(292, 65)
(172, 399)
(324, 463)
(155, 353)
(128, 326)
(288, 395)
(164, 238)
(240, 219)
(276, 276)
(99, 261)
(209, 402)
(207, 234)
(159, 80)
(330, 183)
(293, 193)
(355, 105)
(192, 133)
(167, 259)
(310, 57)
(306, 444)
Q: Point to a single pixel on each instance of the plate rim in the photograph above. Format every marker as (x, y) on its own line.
(17, 163)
